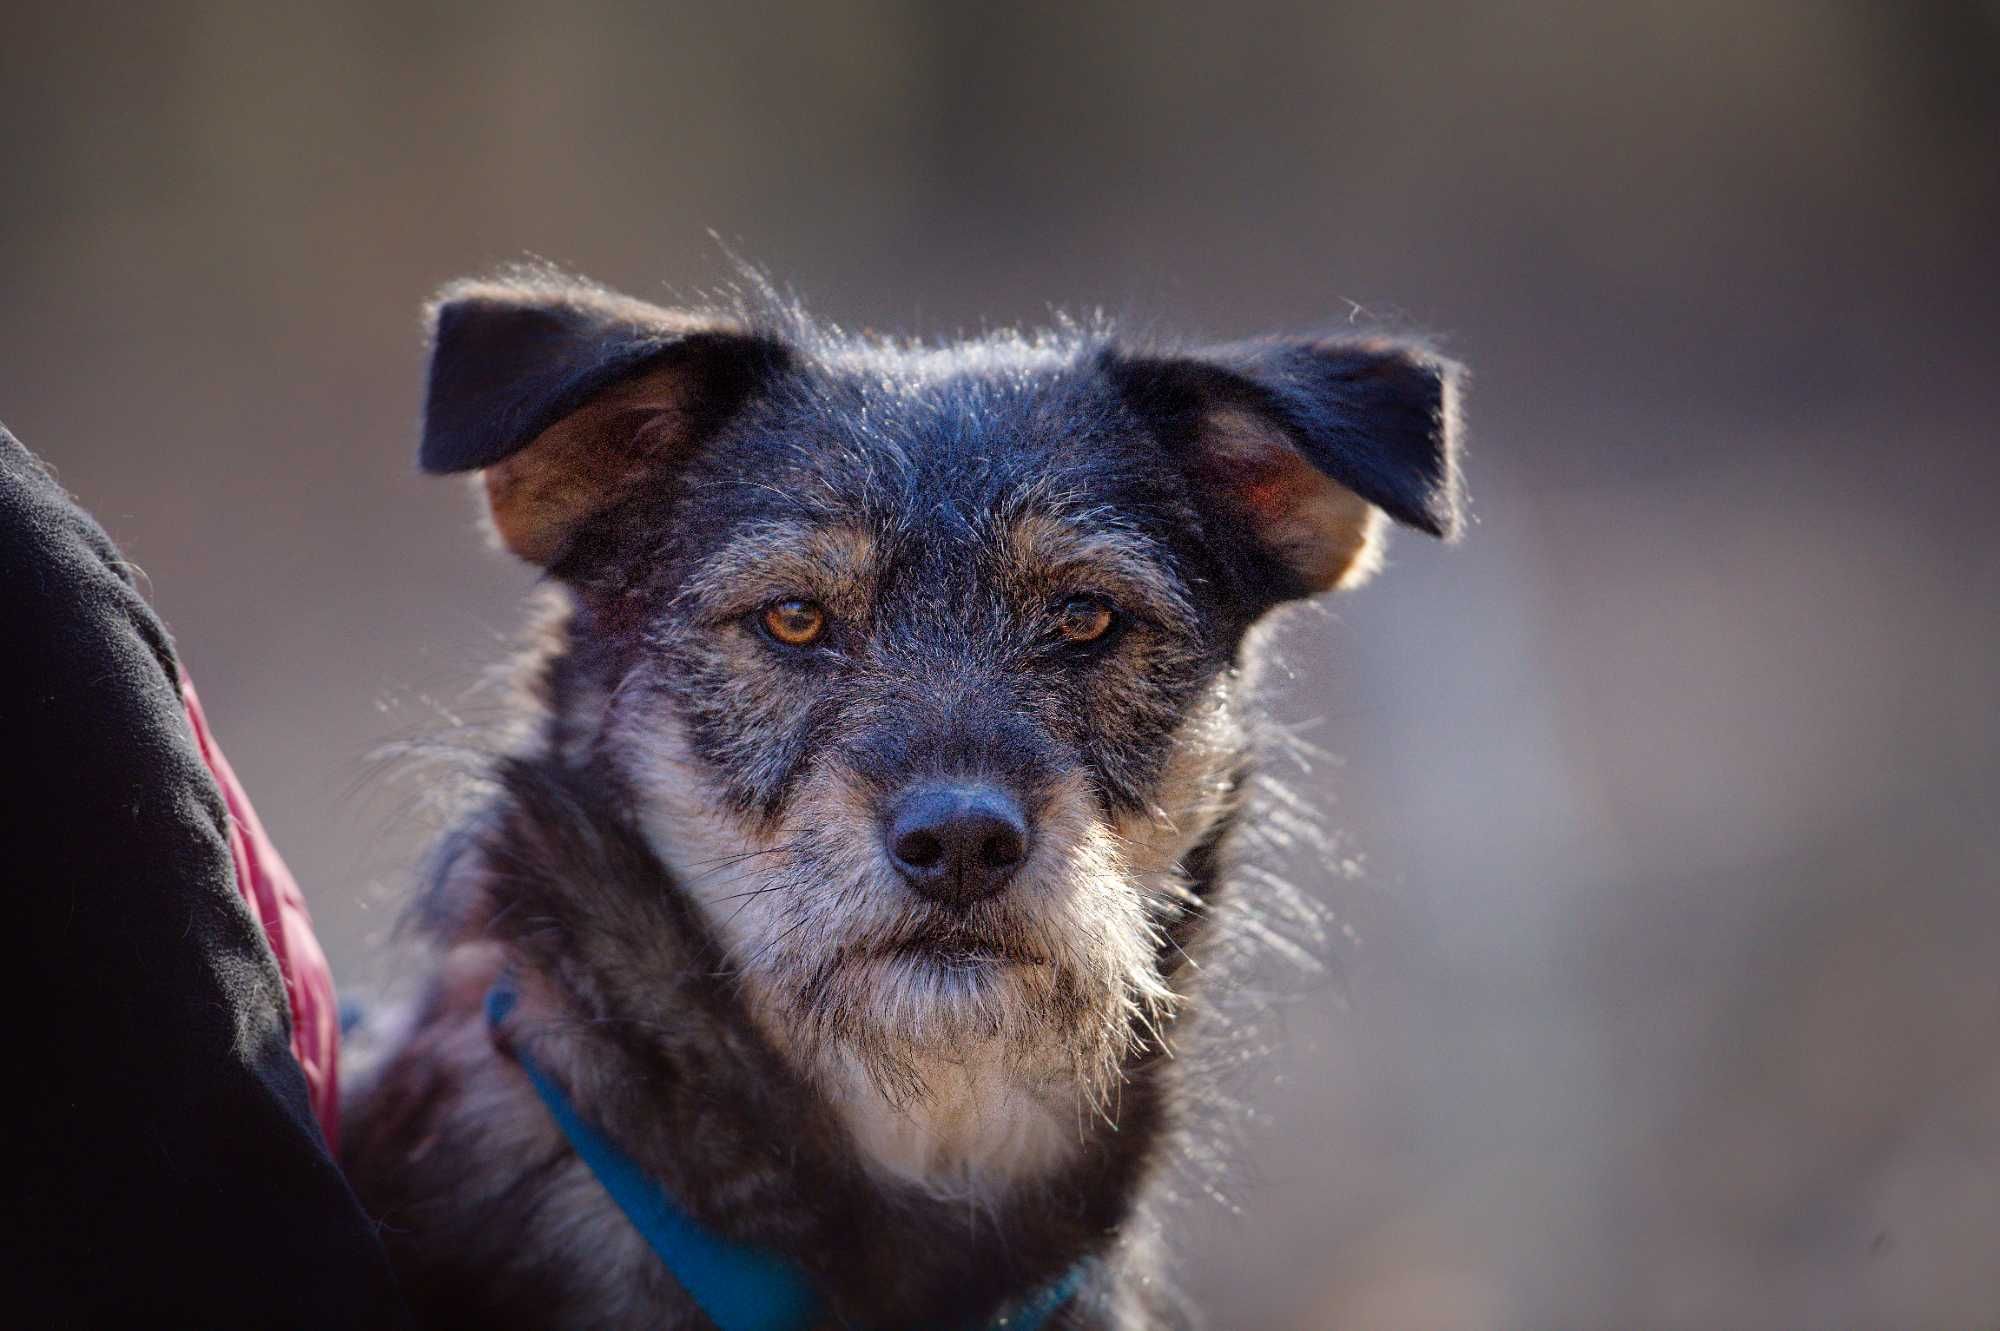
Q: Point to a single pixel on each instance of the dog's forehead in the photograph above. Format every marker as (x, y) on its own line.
(943, 440)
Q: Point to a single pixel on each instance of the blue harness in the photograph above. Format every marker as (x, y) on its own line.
(740, 1288)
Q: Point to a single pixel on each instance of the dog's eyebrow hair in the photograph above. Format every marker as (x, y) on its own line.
(1045, 549)
(833, 561)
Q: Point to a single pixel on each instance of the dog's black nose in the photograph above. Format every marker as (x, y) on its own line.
(957, 844)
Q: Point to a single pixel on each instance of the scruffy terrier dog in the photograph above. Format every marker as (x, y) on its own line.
(818, 958)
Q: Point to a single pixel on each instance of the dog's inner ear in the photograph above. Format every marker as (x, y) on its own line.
(1319, 531)
(565, 398)
(1303, 451)
(578, 467)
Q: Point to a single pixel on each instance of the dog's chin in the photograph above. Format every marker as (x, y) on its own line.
(953, 947)
(932, 993)
(937, 991)
(973, 968)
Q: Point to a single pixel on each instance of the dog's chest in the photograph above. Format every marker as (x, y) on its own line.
(978, 1126)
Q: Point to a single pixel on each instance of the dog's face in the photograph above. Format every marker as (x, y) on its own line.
(921, 666)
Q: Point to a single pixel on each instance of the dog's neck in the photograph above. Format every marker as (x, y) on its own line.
(627, 1002)
(977, 1126)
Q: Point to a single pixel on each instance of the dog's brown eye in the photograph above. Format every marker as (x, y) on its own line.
(795, 623)
(1083, 619)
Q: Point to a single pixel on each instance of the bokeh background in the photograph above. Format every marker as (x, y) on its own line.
(1673, 996)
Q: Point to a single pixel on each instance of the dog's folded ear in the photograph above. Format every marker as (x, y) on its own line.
(565, 396)
(1306, 447)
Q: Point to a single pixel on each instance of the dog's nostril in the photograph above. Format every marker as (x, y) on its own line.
(1002, 849)
(957, 844)
(919, 849)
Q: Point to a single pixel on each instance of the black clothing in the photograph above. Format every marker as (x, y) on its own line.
(163, 1168)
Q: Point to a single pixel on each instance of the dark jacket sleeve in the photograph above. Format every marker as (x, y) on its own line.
(164, 1169)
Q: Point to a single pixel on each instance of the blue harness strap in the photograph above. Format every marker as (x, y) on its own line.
(739, 1288)
(1033, 1312)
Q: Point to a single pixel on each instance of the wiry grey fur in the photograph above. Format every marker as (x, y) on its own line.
(932, 1110)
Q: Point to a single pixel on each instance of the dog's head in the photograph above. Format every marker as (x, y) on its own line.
(921, 664)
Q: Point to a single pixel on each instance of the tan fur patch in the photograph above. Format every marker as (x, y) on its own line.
(1048, 556)
(583, 462)
(1323, 531)
(834, 565)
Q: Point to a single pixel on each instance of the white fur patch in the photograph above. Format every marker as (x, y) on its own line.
(979, 1124)
(984, 1089)
(978, 1121)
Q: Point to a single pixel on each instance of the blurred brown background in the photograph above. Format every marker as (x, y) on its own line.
(1675, 1002)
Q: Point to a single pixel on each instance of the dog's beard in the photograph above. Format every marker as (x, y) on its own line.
(845, 968)
(962, 1050)
(1054, 978)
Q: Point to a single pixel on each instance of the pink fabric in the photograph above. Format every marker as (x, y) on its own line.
(271, 891)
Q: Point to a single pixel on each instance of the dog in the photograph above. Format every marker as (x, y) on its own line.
(818, 954)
